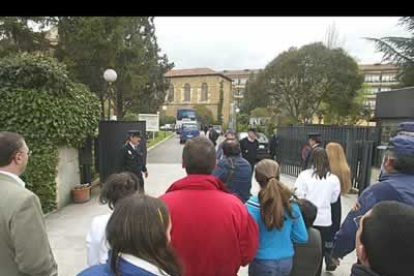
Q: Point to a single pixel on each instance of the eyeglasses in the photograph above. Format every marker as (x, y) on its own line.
(357, 221)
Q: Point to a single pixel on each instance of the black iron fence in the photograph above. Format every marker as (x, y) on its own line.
(359, 144)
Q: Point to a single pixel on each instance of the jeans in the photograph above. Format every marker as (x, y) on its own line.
(281, 267)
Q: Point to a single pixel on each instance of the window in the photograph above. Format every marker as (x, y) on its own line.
(243, 81)
(204, 92)
(372, 78)
(187, 92)
(171, 93)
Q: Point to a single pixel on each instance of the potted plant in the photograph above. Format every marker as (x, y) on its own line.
(81, 193)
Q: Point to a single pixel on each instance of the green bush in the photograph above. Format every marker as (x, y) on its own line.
(40, 102)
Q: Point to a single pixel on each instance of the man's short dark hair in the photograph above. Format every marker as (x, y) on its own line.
(404, 163)
(231, 147)
(309, 211)
(199, 156)
(388, 238)
(10, 144)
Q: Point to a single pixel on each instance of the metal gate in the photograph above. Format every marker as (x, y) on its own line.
(112, 135)
(358, 143)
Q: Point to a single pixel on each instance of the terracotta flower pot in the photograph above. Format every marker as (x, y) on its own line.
(81, 193)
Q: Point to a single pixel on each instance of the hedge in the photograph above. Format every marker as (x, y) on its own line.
(40, 101)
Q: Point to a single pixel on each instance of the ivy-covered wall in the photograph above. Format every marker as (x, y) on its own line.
(40, 101)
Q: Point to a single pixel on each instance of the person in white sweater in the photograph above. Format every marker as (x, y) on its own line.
(321, 187)
(115, 188)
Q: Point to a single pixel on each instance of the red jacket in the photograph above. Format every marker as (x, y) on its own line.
(212, 231)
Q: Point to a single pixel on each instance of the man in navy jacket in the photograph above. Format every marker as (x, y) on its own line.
(234, 171)
(396, 184)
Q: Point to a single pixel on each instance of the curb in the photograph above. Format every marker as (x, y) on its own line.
(159, 143)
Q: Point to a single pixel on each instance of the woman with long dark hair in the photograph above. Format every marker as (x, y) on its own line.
(280, 223)
(138, 233)
(322, 188)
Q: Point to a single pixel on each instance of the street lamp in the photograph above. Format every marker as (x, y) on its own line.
(110, 76)
(237, 113)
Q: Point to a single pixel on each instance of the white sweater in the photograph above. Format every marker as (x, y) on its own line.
(321, 192)
(96, 243)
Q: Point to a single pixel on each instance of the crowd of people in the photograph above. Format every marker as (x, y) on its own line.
(208, 223)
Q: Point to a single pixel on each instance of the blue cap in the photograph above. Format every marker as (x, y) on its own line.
(406, 127)
(230, 131)
(401, 145)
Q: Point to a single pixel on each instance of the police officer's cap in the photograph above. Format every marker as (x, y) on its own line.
(314, 135)
(406, 127)
(134, 132)
(400, 144)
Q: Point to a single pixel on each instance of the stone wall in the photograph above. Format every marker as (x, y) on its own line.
(195, 82)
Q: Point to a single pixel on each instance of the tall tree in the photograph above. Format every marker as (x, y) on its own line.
(300, 80)
(89, 45)
(23, 34)
(400, 50)
(254, 94)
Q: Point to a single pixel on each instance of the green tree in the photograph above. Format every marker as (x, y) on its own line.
(17, 34)
(204, 115)
(255, 93)
(400, 50)
(89, 45)
(220, 104)
(298, 81)
(259, 112)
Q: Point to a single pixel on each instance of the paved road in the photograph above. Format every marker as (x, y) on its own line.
(167, 153)
(67, 228)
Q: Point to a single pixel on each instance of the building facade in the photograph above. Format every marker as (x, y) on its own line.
(239, 80)
(199, 86)
(378, 78)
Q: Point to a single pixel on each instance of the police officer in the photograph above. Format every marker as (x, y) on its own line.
(313, 143)
(131, 156)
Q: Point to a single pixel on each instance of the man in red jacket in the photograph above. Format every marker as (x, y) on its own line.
(212, 231)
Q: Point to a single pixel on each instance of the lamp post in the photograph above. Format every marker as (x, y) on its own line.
(237, 113)
(164, 109)
(110, 76)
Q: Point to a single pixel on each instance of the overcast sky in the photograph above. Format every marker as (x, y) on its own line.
(251, 42)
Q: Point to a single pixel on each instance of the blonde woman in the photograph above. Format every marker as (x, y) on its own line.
(340, 168)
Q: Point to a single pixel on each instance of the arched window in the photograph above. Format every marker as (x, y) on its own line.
(204, 92)
(187, 92)
(171, 93)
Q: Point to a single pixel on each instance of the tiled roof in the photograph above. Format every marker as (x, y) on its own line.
(240, 73)
(194, 72)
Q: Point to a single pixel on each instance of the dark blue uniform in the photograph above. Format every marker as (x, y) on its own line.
(132, 160)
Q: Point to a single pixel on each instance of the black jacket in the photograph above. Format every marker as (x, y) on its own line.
(274, 142)
(249, 150)
(132, 160)
(361, 270)
(306, 162)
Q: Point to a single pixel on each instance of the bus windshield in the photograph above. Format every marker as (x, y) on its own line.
(186, 114)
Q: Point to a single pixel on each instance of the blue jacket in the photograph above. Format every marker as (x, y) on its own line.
(236, 173)
(278, 244)
(396, 187)
(125, 269)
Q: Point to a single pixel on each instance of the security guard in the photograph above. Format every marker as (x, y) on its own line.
(313, 143)
(131, 156)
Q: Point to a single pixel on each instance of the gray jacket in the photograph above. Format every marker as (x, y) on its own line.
(308, 256)
(24, 245)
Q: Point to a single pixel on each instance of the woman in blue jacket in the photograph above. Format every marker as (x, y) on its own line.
(138, 233)
(280, 223)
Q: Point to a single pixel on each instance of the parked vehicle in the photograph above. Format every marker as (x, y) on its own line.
(188, 131)
(263, 151)
(185, 116)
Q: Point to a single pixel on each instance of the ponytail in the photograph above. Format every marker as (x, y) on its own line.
(274, 199)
